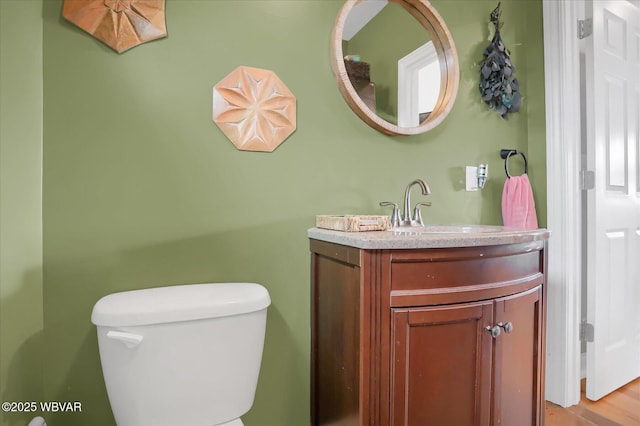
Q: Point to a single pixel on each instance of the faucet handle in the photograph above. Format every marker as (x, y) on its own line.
(395, 216)
(417, 216)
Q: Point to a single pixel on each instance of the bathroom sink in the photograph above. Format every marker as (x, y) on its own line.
(447, 229)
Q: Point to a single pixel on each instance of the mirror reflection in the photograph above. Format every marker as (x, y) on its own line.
(395, 73)
(395, 63)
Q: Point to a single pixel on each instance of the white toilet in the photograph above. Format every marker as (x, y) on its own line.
(184, 355)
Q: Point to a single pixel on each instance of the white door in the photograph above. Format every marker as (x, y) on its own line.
(613, 206)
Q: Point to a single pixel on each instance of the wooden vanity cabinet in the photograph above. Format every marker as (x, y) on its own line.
(410, 337)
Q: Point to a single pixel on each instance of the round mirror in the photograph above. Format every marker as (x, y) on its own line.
(395, 63)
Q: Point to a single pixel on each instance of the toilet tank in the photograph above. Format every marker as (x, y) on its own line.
(182, 355)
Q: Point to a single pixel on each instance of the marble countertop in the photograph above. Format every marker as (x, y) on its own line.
(417, 239)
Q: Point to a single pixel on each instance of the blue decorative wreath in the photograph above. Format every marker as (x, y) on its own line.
(498, 86)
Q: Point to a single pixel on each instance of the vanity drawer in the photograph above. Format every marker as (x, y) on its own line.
(432, 277)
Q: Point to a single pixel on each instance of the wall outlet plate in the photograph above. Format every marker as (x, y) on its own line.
(472, 178)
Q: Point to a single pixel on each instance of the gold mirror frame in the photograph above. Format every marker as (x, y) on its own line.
(429, 18)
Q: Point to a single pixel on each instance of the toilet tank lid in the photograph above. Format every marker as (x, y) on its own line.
(179, 303)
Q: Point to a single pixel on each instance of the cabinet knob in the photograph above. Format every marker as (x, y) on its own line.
(508, 327)
(495, 330)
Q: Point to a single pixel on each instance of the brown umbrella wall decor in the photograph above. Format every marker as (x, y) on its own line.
(120, 24)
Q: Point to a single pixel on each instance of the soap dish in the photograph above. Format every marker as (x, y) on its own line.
(353, 223)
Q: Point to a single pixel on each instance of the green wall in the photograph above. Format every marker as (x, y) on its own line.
(533, 92)
(21, 300)
(141, 189)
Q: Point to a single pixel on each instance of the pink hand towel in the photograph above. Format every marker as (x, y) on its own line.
(518, 207)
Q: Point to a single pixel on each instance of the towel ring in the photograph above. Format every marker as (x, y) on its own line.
(506, 153)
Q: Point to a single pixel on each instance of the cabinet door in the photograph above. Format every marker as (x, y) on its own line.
(518, 360)
(441, 365)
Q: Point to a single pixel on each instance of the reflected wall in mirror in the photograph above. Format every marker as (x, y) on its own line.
(395, 64)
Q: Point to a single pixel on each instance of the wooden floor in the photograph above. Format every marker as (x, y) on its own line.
(621, 407)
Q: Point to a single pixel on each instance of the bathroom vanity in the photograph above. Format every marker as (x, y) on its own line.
(440, 326)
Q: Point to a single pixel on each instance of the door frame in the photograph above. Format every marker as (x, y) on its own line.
(564, 209)
(408, 78)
